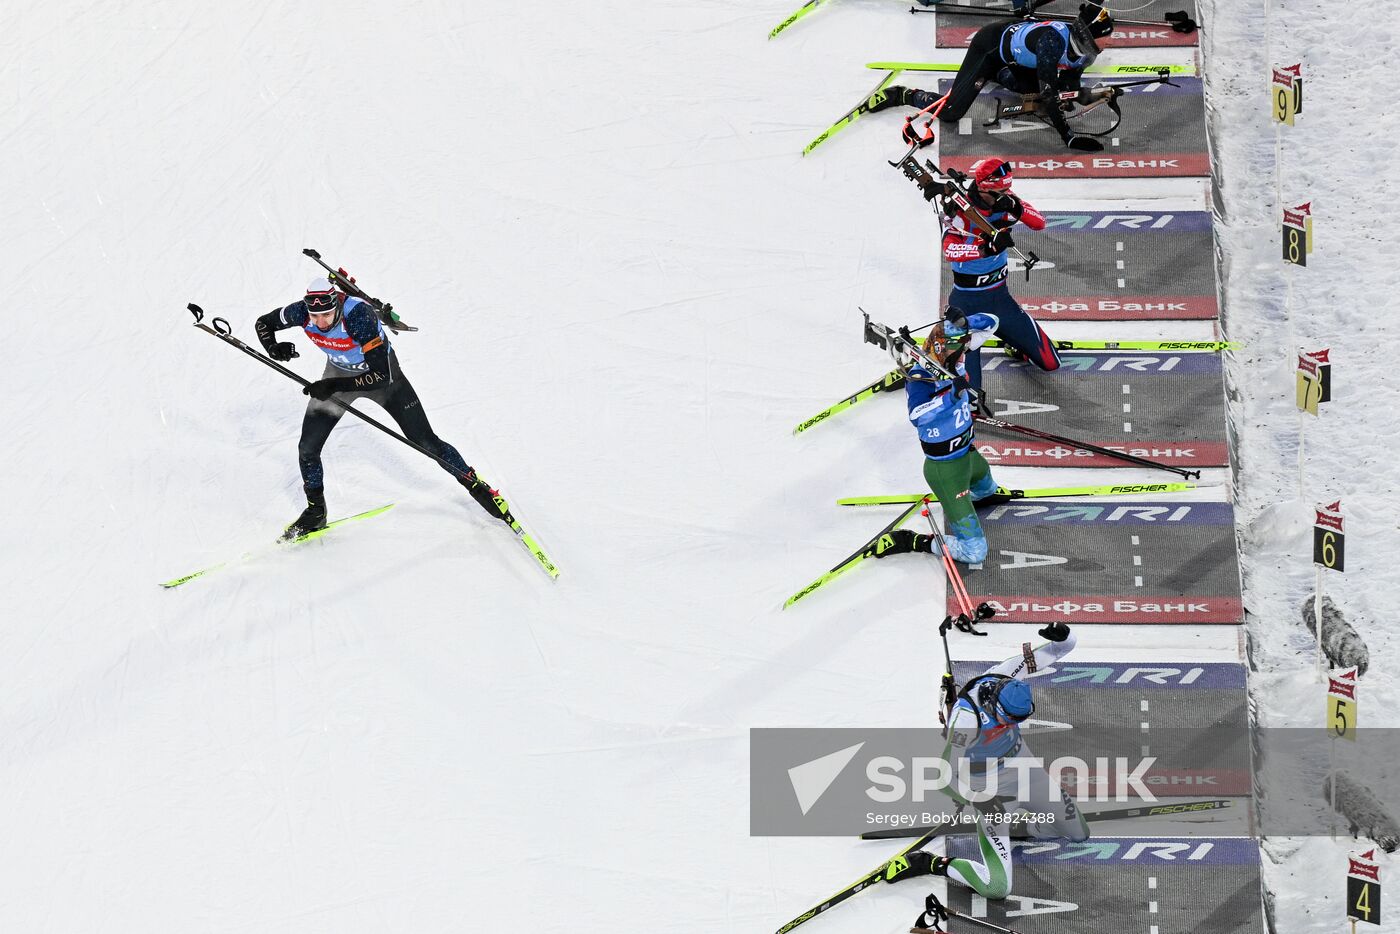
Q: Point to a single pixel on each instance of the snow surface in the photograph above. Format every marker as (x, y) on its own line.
(630, 287)
(1341, 145)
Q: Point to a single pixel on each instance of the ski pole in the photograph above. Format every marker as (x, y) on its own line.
(934, 914)
(1084, 446)
(965, 620)
(342, 279)
(1179, 21)
(950, 570)
(224, 332)
(970, 616)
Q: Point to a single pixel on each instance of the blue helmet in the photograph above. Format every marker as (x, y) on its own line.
(1013, 697)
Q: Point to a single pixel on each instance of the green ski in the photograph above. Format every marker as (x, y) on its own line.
(873, 99)
(300, 538)
(879, 543)
(1126, 489)
(952, 68)
(888, 383)
(802, 11)
(525, 537)
(1213, 346)
(864, 882)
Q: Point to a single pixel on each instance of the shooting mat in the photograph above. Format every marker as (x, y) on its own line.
(1116, 266)
(1163, 133)
(1169, 407)
(1109, 562)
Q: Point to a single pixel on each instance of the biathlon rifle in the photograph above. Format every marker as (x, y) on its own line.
(346, 283)
(1180, 21)
(906, 349)
(1032, 105)
(954, 189)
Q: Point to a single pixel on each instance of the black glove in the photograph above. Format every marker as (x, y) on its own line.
(954, 316)
(932, 191)
(1083, 143)
(283, 351)
(999, 241)
(1055, 632)
(323, 389)
(999, 201)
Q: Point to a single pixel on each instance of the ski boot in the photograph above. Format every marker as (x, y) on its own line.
(994, 499)
(1014, 353)
(478, 490)
(917, 863)
(903, 541)
(897, 95)
(312, 518)
(987, 493)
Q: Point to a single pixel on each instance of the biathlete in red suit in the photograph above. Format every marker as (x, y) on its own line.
(980, 269)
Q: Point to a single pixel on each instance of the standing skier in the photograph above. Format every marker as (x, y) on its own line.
(984, 732)
(1027, 56)
(360, 364)
(941, 411)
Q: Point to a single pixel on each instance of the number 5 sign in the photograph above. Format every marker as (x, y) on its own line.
(1341, 705)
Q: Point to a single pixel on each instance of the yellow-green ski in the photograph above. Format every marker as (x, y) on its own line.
(879, 543)
(952, 68)
(1125, 489)
(888, 383)
(525, 537)
(293, 541)
(802, 11)
(1212, 346)
(864, 882)
(872, 99)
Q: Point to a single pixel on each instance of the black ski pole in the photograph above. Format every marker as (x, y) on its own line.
(934, 914)
(223, 331)
(1179, 21)
(991, 422)
(346, 284)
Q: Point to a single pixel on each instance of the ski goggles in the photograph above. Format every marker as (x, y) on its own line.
(320, 303)
(997, 180)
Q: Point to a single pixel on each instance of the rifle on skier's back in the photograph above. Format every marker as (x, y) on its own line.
(346, 283)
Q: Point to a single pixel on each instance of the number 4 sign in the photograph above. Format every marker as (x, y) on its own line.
(1363, 889)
